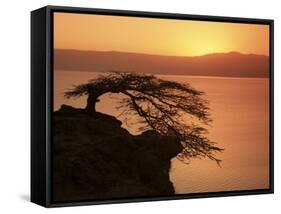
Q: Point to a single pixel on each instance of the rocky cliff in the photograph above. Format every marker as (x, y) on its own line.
(95, 158)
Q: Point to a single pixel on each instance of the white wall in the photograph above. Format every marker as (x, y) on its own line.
(15, 99)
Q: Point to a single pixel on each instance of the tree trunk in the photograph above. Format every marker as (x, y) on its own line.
(91, 103)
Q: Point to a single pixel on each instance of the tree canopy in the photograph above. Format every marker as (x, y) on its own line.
(168, 107)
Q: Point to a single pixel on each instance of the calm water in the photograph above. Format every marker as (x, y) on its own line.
(240, 113)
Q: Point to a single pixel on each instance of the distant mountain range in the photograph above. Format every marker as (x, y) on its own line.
(232, 64)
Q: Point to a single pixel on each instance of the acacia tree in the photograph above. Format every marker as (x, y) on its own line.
(168, 107)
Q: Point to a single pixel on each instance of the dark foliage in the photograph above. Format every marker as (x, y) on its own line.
(169, 108)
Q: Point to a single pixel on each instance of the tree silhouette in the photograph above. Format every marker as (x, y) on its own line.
(168, 107)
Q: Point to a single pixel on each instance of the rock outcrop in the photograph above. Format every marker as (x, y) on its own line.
(94, 158)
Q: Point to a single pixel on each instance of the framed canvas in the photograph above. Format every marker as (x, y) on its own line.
(131, 106)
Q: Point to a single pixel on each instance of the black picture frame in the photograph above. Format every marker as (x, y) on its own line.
(42, 102)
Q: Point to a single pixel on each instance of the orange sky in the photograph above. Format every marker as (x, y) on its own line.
(157, 36)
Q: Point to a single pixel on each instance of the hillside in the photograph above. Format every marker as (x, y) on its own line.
(232, 64)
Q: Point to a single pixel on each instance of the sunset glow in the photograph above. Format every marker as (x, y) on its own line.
(162, 106)
(157, 36)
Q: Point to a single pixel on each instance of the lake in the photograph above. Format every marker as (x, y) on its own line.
(240, 113)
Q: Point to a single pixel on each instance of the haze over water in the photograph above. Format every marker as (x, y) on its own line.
(240, 113)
